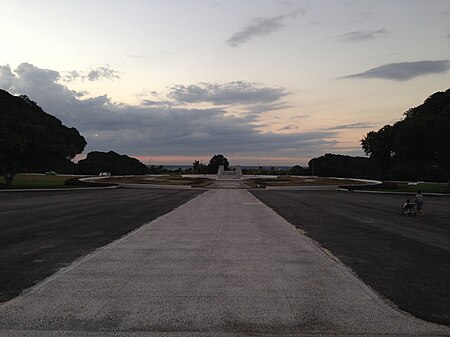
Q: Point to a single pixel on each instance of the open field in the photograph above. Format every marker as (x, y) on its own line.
(298, 181)
(38, 181)
(405, 259)
(161, 180)
(251, 183)
(424, 187)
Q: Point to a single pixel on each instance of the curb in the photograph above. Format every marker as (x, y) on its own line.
(57, 189)
(154, 186)
(393, 193)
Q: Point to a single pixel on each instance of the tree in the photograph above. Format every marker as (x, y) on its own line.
(29, 137)
(112, 162)
(421, 140)
(216, 161)
(379, 147)
(297, 170)
(336, 165)
(423, 136)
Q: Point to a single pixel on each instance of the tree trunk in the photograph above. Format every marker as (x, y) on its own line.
(9, 178)
(448, 181)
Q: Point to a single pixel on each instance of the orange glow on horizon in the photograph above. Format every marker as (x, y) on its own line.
(234, 160)
(246, 161)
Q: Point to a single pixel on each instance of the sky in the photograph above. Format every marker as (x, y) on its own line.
(263, 82)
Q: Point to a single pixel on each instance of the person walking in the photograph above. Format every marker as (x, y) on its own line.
(419, 203)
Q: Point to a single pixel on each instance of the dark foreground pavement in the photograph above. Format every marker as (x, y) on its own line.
(405, 259)
(42, 232)
(221, 265)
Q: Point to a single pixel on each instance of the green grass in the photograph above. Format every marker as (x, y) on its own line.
(25, 181)
(162, 180)
(297, 181)
(424, 187)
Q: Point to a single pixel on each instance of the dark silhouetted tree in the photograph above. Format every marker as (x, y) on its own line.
(112, 162)
(379, 146)
(297, 170)
(336, 165)
(29, 137)
(421, 140)
(216, 161)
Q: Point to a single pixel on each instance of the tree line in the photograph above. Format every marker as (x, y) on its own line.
(414, 148)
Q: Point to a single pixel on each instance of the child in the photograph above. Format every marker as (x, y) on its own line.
(419, 203)
(408, 208)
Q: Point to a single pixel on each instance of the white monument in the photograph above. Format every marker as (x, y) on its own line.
(235, 172)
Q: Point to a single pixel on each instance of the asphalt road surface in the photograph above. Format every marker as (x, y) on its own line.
(42, 232)
(405, 259)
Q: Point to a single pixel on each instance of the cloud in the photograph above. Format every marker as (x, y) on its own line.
(258, 109)
(238, 92)
(404, 71)
(153, 103)
(358, 36)
(156, 128)
(448, 35)
(92, 75)
(261, 27)
(7, 77)
(289, 127)
(358, 125)
(300, 116)
(103, 72)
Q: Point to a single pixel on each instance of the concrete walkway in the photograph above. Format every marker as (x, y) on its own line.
(221, 265)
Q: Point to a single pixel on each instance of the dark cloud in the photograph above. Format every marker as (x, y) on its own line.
(364, 35)
(156, 128)
(289, 127)
(239, 92)
(92, 75)
(404, 71)
(153, 103)
(103, 72)
(261, 27)
(358, 125)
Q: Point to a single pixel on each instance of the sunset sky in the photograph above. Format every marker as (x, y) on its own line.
(259, 81)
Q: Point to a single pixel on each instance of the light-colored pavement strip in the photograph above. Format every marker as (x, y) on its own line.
(223, 264)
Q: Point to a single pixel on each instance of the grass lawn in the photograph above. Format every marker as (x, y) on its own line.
(23, 181)
(298, 181)
(162, 180)
(424, 187)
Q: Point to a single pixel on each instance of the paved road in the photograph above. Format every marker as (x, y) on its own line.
(42, 232)
(223, 264)
(405, 259)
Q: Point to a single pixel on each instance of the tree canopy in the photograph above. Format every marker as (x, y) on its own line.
(112, 162)
(216, 161)
(29, 136)
(420, 140)
(336, 165)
